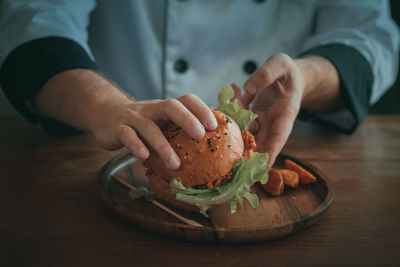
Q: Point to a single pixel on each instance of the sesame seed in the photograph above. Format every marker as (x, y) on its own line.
(220, 156)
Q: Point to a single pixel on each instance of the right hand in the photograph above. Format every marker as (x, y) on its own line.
(275, 92)
(132, 123)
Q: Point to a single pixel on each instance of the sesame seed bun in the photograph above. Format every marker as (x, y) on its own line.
(203, 160)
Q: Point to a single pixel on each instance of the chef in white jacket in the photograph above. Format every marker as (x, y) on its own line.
(63, 63)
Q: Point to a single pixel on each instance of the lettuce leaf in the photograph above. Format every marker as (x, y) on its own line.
(244, 174)
(242, 117)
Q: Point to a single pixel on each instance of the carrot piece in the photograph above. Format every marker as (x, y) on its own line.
(305, 176)
(275, 185)
(290, 177)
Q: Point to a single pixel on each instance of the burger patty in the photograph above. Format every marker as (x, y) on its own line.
(214, 183)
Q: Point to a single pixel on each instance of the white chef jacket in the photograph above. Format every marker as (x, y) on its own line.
(140, 43)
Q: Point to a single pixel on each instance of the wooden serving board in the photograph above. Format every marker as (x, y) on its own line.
(294, 210)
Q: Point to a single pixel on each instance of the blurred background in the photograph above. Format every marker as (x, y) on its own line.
(388, 104)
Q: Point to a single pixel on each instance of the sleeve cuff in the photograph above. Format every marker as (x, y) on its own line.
(356, 79)
(29, 66)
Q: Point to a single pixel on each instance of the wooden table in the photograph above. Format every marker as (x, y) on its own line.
(50, 213)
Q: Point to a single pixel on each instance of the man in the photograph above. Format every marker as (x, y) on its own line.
(327, 59)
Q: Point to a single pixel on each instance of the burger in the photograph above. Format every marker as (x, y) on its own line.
(215, 170)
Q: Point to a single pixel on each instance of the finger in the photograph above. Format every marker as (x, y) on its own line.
(131, 141)
(265, 144)
(174, 110)
(276, 67)
(237, 94)
(261, 135)
(254, 126)
(200, 110)
(265, 99)
(150, 132)
(247, 99)
(244, 100)
(274, 136)
(274, 146)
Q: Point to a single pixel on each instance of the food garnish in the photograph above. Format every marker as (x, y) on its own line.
(244, 175)
(290, 177)
(305, 176)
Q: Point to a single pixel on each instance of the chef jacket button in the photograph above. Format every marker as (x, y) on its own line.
(181, 66)
(249, 67)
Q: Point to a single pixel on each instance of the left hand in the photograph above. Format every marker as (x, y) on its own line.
(275, 91)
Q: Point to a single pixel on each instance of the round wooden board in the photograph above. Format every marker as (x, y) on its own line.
(294, 210)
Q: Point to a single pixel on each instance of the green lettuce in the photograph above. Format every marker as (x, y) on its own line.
(242, 117)
(244, 174)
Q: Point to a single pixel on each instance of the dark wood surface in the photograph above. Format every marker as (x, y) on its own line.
(51, 214)
(294, 210)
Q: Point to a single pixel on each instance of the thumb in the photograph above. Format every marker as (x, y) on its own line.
(276, 67)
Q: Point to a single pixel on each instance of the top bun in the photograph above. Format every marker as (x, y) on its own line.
(202, 160)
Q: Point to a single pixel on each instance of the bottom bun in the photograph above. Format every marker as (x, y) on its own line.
(163, 191)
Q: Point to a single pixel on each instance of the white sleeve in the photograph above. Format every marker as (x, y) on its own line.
(365, 25)
(25, 20)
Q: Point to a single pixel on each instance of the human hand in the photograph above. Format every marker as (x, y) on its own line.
(133, 123)
(86, 100)
(275, 93)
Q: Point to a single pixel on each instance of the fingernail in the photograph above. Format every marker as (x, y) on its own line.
(251, 88)
(142, 153)
(199, 131)
(173, 163)
(211, 124)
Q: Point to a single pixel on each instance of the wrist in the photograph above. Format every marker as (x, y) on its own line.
(321, 85)
(78, 97)
(308, 67)
(108, 97)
